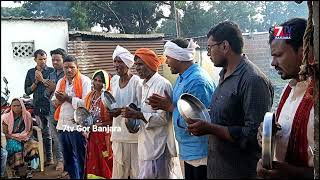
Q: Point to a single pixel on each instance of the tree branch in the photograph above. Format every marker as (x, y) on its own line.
(164, 2)
(111, 11)
(162, 16)
(116, 17)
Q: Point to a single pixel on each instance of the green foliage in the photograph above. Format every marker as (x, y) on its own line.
(196, 17)
(238, 11)
(79, 17)
(168, 27)
(67, 9)
(127, 16)
(197, 21)
(18, 12)
(276, 12)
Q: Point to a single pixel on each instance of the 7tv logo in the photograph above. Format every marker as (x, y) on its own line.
(282, 32)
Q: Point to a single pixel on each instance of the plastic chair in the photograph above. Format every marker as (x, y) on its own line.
(40, 146)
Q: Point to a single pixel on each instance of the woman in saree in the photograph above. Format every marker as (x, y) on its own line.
(99, 153)
(17, 127)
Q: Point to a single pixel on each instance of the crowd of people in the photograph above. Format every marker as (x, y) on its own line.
(227, 147)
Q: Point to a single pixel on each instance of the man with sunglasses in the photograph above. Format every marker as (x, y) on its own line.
(244, 94)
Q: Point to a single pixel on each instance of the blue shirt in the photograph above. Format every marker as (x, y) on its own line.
(40, 101)
(197, 82)
(55, 76)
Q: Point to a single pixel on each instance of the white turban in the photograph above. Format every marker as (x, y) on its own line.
(124, 55)
(181, 54)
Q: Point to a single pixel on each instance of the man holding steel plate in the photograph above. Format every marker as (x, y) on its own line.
(193, 150)
(126, 89)
(156, 144)
(293, 155)
(68, 96)
(243, 96)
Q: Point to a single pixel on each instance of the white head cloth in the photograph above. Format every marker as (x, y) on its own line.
(124, 55)
(181, 54)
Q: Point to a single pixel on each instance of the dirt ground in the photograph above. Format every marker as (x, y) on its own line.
(49, 173)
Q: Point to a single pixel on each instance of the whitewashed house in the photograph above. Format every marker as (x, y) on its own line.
(20, 37)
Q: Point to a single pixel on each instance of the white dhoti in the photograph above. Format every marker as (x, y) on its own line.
(125, 160)
(155, 169)
(165, 167)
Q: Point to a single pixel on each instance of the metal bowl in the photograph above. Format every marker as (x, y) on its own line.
(191, 107)
(133, 125)
(83, 117)
(268, 139)
(108, 100)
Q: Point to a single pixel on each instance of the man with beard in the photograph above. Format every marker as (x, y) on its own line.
(293, 155)
(57, 57)
(238, 105)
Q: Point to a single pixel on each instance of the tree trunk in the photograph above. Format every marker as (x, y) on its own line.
(316, 89)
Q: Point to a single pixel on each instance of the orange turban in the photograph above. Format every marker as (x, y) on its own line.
(150, 58)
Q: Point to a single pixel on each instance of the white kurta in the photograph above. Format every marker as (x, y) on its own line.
(286, 119)
(131, 93)
(125, 144)
(67, 109)
(158, 132)
(156, 144)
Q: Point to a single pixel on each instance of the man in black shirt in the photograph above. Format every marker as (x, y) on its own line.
(238, 105)
(34, 84)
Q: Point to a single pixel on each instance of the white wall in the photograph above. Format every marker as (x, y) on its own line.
(205, 62)
(47, 35)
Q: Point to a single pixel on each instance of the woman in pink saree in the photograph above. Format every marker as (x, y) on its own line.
(17, 127)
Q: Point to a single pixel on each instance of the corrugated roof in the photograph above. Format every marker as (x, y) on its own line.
(94, 55)
(118, 36)
(36, 18)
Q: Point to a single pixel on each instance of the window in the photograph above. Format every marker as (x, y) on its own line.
(22, 49)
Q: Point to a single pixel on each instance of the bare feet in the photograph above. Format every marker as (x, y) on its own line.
(60, 166)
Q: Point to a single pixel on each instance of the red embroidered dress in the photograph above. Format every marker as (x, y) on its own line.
(99, 152)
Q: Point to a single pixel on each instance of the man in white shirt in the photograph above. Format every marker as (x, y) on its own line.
(294, 143)
(70, 91)
(126, 89)
(155, 142)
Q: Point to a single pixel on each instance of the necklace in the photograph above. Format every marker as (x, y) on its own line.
(95, 108)
(95, 100)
